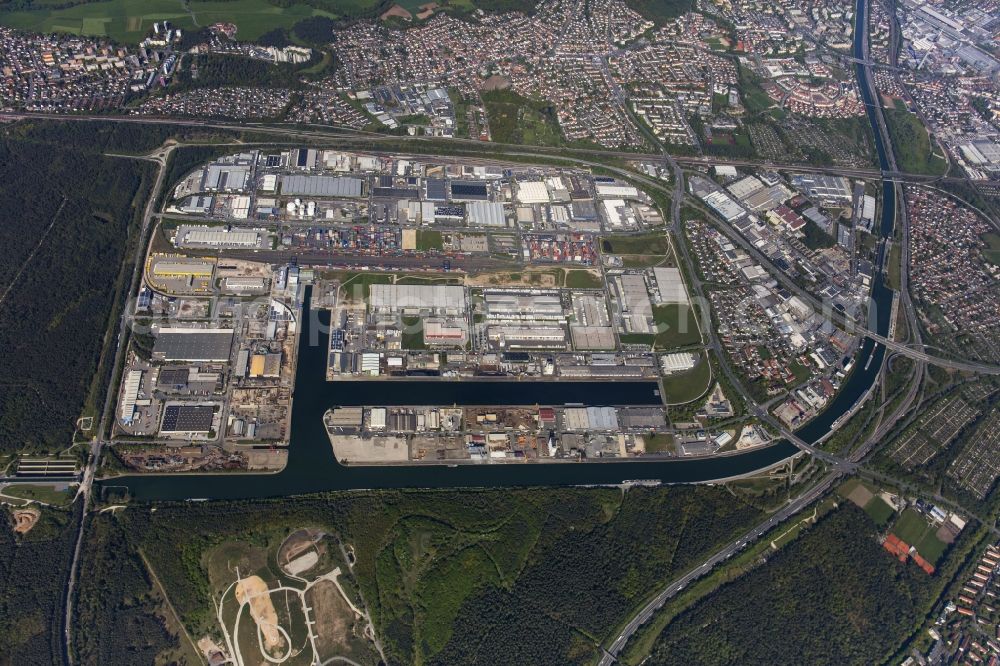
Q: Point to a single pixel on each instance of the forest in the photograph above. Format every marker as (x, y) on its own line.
(106, 136)
(65, 216)
(117, 614)
(661, 11)
(33, 574)
(834, 596)
(216, 70)
(509, 577)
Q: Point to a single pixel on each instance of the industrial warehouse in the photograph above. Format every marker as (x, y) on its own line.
(205, 390)
(428, 269)
(395, 435)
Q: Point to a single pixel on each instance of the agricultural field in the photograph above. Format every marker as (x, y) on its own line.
(128, 21)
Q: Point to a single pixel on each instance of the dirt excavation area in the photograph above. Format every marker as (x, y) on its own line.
(254, 591)
(25, 519)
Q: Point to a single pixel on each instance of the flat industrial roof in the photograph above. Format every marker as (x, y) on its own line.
(193, 344)
(670, 284)
(330, 186)
(399, 297)
(187, 418)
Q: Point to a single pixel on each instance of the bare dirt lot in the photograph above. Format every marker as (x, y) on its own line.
(860, 496)
(398, 12)
(300, 552)
(527, 278)
(334, 619)
(25, 519)
(254, 591)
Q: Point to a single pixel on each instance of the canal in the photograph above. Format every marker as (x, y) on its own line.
(868, 362)
(312, 466)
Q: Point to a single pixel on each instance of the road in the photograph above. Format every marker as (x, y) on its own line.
(840, 466)
(161, 157)
(333, 134)
(614, 649)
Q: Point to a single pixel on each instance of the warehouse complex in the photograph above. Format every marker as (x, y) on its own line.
(193, 344)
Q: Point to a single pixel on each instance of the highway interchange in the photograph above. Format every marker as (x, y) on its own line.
(838, 466)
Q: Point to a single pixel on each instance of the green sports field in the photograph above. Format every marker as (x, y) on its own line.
(127, 21)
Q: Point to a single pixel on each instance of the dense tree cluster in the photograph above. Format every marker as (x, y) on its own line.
(317, 30)
(832, 597)
(508, 577)
(65, 217)
(217, 70)
(116, 619)
(661, 11)
(33, 574)
(101, 136)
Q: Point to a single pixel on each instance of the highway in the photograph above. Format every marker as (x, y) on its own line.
(333, 134)
(839, 466)
(614, 649)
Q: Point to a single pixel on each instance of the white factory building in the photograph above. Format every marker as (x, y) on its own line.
(486, 214)
(527, 337)
(516, 306)
(412, 299)
(679, 362)
(532, 192)
(670, 285)
(219, 237)
(130, 394)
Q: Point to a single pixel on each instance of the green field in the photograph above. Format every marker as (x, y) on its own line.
(46, 494)
(895, 265)
(687, 386)
(914, 529)
(879, 511)
(661, 443)
(128, 21)
(910, 527)
(992, 253)
(413, 333)
(912, 144)
(428, 239)
(357, 286)
(642, 244)
(518, 120)
(582, 279)
(677, 326)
